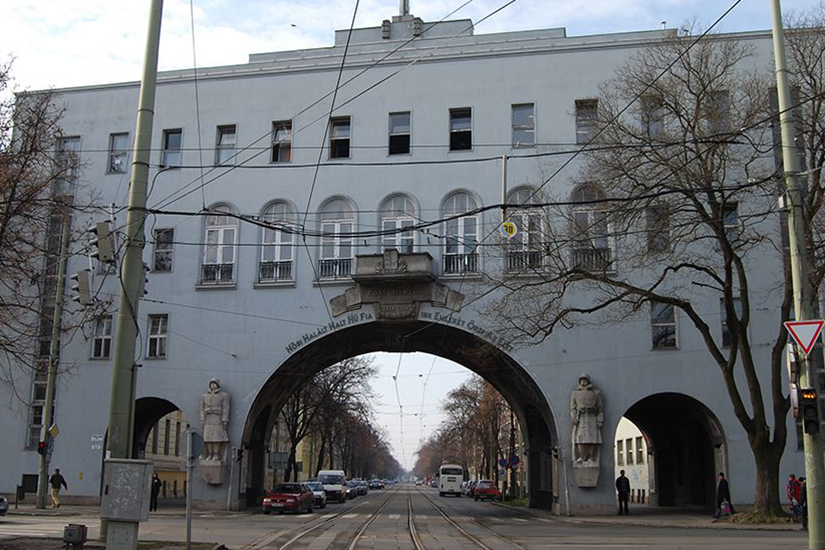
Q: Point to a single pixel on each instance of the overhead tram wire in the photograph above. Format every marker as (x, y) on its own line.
(197, 98)
(430, 52)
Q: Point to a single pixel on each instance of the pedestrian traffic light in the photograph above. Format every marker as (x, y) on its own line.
(41, 447)
(809, 409)
(103, 241)
(82, 287)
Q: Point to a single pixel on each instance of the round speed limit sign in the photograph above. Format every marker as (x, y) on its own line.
(508, 230)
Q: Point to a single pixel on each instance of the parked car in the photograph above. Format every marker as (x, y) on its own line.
(471, 487)
(4, 505)
(434, 483)
(334, 483)
(486, 490)
(288, 497)
(352, 489)
(375, 484)
(363, 487)
(320, 496)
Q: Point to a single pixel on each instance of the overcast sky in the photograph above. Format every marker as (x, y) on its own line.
(59, 43)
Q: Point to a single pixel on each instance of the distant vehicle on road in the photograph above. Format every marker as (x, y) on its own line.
(486, 490)
(375, 484)
(318, 493)
(288, 497)
(363, 486)
(352, 489)
(450, 477)
(4, 505)
(334, 483)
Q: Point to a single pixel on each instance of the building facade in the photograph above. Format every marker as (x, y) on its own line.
(265, 289)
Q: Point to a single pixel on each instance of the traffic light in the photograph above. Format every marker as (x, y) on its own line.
(41, 447)
(809, 410)
(104, 242)
(82, 287)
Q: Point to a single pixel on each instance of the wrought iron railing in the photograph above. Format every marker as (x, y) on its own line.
(340, 268)
(275, 271)
(460, 263)
(524, 259)
(593, 259)
(216, 274)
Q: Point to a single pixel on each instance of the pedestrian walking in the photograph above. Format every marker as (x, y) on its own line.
(623, 488)
(155, 491)
(57, 481)
(723, 503)
(792, 491)
(803, 502)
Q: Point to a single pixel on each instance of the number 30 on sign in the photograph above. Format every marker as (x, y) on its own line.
(508, 230)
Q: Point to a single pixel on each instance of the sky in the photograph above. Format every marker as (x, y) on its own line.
(56, 43)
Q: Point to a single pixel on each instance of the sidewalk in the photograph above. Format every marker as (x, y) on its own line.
(649, 516)
(69, 510)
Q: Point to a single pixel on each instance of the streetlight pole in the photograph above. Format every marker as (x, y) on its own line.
(814, 462)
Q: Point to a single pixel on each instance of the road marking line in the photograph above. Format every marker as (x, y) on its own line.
(350, 516)
(521, 519)
(395, 516)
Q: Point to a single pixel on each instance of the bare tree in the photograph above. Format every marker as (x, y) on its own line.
(676, 203)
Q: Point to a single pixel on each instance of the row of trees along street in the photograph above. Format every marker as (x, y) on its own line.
(334, 407)
(480, 429)
(677, 199)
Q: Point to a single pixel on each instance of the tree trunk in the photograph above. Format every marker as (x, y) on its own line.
(766, 494)
(290, 463)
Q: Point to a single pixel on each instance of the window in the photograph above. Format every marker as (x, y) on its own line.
(717, 113)
(282, 141)
(158, 328)
(277, 244)
(727, 337)
(397, 214)
(524, 125)
(658, 228)
(400, 133)
(629, 448)
(337, 223)
(640, 451)
(730, 221)
(339, 137)
(460, 255)
(162, 258)
(225, 146)
(155, 431)
(219, 253)
(525, 250)
(171, 154)
(461, 129)
(102, 341)
(620, 453)
(592, 240)
(663, 325)
(118, 153)
(68, 157)
(177, 438)
(587, 111)
(167, 434)
(652, 116)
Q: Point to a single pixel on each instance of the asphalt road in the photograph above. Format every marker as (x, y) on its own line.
(381, 521)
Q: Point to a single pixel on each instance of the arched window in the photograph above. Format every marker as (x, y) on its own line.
(460, 254)
(337, 225)
(591, 236)
(277, 244)
(221, 235)
(525, 250)
(398, 213)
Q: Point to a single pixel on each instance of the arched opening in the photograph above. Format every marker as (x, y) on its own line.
(160, 436)
(456, 344)
(684, 449)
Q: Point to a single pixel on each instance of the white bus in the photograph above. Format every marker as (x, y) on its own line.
(450, 477)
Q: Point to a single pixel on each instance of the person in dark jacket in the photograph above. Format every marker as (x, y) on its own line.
(57, 481)
(722, 495)
(156, 485)
(803, 502)
(623, 488)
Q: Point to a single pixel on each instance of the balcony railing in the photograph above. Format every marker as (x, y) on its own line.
(218, 274)
(460, 263)
(275, 271)
(593, 259)
(524, 259)
(340, 268)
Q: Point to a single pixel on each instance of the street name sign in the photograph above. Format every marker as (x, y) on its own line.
(805, 333)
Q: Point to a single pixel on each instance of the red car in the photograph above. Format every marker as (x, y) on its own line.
(485, 489)
(292, 497)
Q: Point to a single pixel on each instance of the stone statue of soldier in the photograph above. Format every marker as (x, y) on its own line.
(214, 420)
(587, 415)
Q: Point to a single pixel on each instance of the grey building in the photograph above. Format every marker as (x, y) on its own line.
(420, 124)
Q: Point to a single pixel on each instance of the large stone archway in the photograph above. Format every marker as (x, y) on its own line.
(411, 335)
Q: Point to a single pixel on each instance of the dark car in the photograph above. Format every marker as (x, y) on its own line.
(288, 497)
(363, 487)
(318, 493)
(375, 484)
(352, 489)
(4, 505)
(486, 490)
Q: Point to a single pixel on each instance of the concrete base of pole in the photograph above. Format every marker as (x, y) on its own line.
(122, 535)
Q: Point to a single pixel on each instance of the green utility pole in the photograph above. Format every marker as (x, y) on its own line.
(121, 412)
(54, 352)
(814, 462)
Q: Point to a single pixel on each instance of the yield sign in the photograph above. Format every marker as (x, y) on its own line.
(805, 333)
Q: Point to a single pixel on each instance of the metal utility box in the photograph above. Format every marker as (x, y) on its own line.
(75, 535)
(126, 486)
